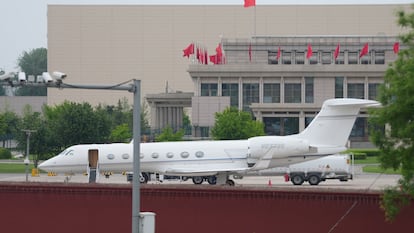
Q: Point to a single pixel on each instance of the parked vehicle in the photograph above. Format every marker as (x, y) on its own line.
(338, 166)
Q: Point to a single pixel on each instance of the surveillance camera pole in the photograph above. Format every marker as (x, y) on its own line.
(136, 89)
(27, 160)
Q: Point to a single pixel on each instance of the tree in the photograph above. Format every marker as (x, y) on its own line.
(12, 122)
(33, 63)
(39, 146)
(392, 128)
(121, 133)
(168, 135)
(235, 124)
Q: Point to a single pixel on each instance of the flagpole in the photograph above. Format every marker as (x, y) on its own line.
(254, 26)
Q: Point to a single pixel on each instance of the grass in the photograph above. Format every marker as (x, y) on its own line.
(14, 167)
(368, 160)
(378, 169)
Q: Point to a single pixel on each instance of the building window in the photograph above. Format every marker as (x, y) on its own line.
(281, 126)
(286, 58)
(204, 131)
(300, 58)
(271, 93)
(308, 89)
(352, 58)
(232, 90)
(272, 57)
(209, 89)
(250, 95)
(359, 128)
(366, 59)
(340, 59)
(314, 59)
(356, 90)
(339, 87)
(293, 93)
(373, 89)
(326, 58)
(379, 57)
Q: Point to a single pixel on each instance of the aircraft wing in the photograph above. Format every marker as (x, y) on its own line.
(206, 170)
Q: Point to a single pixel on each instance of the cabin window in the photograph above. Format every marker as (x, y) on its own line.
(126, 156)
(170, 155)
(155, 155)
(185, 154)
(199, 154)
(141, 155)
(110, 156)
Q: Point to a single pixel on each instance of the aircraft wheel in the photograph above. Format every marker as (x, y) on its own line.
(230, 182)
(198, 179)
(314, 179)
(212, 180)
(297, 179)
(143, 178)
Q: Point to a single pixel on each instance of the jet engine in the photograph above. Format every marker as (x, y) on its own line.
(277, 147)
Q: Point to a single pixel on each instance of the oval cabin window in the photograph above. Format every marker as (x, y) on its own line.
(125, 156)
(199, 154)
(185, 154)
(141, 156)
(110, 156)
(154, 155)
(170, 155)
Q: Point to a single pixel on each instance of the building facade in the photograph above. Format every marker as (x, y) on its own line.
(283, 80)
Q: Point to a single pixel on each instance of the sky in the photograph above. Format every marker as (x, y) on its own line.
(23, 26)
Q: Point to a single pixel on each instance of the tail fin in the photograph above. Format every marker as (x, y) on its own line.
(333, 124)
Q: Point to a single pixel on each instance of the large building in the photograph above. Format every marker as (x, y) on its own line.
(111, 44)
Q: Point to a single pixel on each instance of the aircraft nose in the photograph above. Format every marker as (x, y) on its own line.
(46, 165)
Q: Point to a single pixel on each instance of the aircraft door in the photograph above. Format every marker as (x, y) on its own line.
(93, 171)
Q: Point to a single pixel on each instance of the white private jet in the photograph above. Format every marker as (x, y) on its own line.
(216, 160)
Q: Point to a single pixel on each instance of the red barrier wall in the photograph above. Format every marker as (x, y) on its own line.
(101, 208)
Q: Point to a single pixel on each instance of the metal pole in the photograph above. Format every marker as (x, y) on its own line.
(136, 165)
(27, 160)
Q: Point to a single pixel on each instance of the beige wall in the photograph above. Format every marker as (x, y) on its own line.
(113, 44)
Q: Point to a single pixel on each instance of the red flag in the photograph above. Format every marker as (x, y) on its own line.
(250, 52)
(249, 3)
(396, 47)
(213, 59)
(189, 50)
(364, 50)
(309, 53)
(205, 57)
(198, 54)
(278, 54)
(219, 51)
(336, 53)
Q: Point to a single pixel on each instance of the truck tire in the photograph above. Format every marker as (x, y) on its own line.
(143, 178)
(297, 179)
(198, 179)
(314, 179)
(212, 180)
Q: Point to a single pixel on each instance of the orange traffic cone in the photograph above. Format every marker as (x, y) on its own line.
(269, 183)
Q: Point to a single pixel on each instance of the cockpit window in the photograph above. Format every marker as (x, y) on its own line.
(69, 152)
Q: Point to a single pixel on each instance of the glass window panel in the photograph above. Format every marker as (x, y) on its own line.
(271, 93)
(250, 95)
(209, 89)
(356, 90)
(232, 90)
(308, 89)
(339, 87)
(293, 93)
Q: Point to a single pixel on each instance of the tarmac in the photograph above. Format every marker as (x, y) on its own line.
(361, 181)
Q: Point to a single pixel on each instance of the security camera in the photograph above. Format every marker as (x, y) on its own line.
(22, 77)
(59, 75)
(47, 78)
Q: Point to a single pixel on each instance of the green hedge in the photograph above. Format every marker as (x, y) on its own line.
(5, 153)
(367, 152)
(360, 156)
